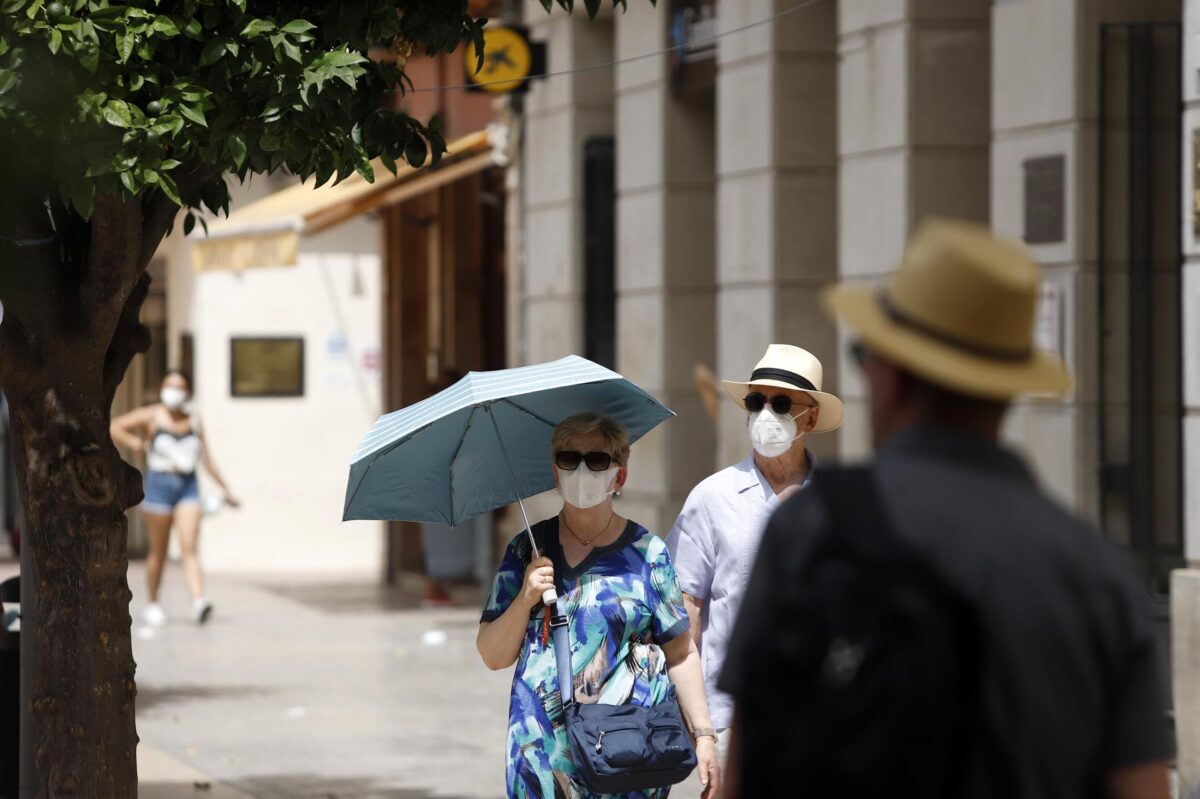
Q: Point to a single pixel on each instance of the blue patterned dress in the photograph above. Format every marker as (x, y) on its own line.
(623, 601)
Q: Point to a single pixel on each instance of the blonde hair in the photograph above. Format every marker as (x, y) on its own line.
(616, 438)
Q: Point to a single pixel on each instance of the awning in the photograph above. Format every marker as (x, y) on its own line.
(267, 232)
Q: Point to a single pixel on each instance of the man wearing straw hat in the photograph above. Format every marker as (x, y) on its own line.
(1059, 665)
(716, 536)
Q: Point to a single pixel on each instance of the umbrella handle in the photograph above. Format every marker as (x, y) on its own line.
(550, 597)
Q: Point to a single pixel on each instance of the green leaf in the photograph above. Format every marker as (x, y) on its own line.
(292, 51)
(11, 6)
(129, 182)
(194, 113)
(149, 176)
(189, 224)
(82, 194)
(193, 29)
(212, 51)
(415, 150)
(298, 26)
(169, 163)
(136, 81)
(237, 148)
(116, 113)
(125, 44)
(257, 27)
(34, 8)
(165, 26)
(8, 79)
(170, 189)
(89, 56)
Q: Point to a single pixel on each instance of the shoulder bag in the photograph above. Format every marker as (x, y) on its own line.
(620, 748)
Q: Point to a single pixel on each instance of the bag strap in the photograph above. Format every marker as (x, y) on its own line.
(560, 632)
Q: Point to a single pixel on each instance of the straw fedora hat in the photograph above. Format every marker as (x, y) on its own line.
(958, 312)
(785, 366)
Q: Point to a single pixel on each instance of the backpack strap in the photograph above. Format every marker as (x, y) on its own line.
(852, 497)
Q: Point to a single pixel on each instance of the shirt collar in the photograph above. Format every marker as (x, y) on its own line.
(945, 444)
(749, 476)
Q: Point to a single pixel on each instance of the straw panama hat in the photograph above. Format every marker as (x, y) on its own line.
(958, 312)
(785, 366)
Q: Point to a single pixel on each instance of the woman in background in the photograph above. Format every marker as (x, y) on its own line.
(170, 436)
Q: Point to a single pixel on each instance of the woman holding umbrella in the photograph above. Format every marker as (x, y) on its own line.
(625, 611)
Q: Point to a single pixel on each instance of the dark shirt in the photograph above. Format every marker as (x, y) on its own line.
(1070, 680)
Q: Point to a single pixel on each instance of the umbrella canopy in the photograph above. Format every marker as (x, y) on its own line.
(448, 458)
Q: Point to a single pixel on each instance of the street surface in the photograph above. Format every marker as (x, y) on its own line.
(317, 691)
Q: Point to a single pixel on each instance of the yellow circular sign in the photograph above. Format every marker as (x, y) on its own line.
(507, 60)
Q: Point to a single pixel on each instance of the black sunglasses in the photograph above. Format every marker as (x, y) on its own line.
(782, 404)
(569, 459)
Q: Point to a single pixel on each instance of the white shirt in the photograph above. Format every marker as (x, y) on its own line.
(713, 545)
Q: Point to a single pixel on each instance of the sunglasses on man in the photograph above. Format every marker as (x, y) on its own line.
(569, 459)
(782, 404)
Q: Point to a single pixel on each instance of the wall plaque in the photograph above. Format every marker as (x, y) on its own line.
(1196, 183)
(1045, 180)
(266, 367)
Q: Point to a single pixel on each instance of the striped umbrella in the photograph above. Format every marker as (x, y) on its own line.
(485, 441)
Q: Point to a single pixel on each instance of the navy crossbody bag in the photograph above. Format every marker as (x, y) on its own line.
(621, 748)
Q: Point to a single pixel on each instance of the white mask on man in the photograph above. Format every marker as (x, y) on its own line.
(173, 398)
(772, 434)
(584, 488)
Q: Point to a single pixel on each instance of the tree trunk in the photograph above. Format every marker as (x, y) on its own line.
(72, 292)
(75, 488)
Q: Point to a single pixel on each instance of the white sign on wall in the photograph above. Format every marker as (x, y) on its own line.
(1048, 326)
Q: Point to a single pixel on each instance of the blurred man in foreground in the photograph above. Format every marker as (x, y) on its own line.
(934, 625)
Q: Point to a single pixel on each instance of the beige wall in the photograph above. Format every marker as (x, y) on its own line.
(777, 195)
(913, 140)
(1190, 296)
(288, 459)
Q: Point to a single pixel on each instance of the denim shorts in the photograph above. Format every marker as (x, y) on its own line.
(165, 490)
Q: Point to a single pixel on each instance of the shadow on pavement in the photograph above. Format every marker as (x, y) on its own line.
(289, 786)
(368, 597)
(150, 697)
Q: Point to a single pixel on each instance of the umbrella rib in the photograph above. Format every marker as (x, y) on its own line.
(528, 412)
(454, 458)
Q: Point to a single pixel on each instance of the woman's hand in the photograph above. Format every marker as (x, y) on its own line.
(232, 501)
(539, 577)
(708, 767)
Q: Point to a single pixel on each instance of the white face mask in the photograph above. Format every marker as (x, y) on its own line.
(172, 397)
(584, 488)
(772, 434)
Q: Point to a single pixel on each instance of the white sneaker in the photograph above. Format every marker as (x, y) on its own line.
(201, 610)
(153, 615)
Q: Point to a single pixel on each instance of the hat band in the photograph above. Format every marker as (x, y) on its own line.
(994, 353)
(784, 375)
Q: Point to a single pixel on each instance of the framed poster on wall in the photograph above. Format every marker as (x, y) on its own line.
(263, 366)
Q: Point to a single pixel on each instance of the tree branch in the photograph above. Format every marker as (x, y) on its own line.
(158, 212)
(113, 264)
(129, 339)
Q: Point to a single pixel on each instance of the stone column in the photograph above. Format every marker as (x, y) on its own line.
(665, 262)
(560, 114)
(776, 193)
(913, 133)
(1185, 636)
(1190, 296)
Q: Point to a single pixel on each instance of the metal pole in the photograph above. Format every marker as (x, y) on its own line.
(550, 597)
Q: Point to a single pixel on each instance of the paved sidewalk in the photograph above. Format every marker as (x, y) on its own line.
(317, 691)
